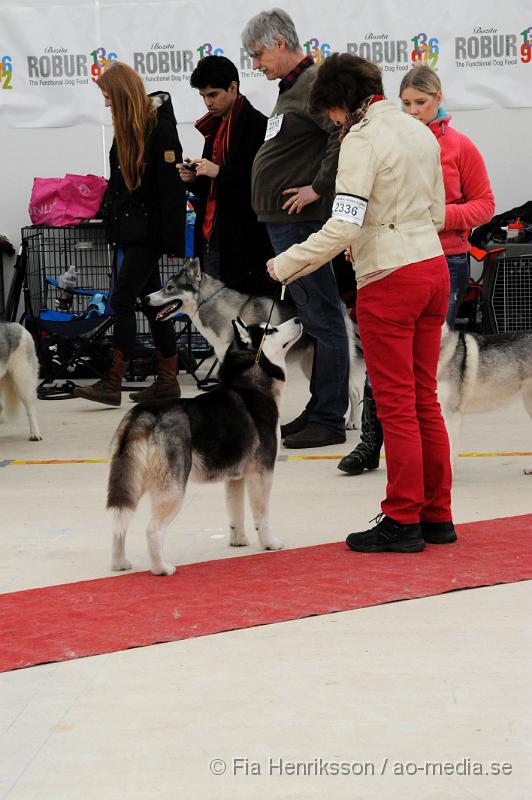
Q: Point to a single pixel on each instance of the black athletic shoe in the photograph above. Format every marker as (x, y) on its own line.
(314, 435)
(387, 535)
(438, 532)
(295, 426)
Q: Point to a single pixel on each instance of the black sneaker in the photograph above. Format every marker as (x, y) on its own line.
(314, 435)
(438, 532)
(295, 426)
(388, 535)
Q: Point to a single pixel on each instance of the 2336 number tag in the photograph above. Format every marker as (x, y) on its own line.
(350, 208)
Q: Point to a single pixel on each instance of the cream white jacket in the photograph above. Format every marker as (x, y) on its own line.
(392, 161)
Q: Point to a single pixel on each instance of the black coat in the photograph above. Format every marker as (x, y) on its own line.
(155, 213)
(241, 240)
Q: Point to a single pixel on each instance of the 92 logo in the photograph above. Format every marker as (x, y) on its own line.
(6, 73)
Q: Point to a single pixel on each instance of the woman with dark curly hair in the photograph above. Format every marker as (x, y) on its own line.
(388, 207)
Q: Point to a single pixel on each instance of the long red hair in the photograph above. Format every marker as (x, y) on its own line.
(134, 116)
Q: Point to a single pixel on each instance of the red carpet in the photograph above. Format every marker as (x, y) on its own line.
(57, 623)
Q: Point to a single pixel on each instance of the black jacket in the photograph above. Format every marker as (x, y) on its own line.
(155, 213)
(242, 241)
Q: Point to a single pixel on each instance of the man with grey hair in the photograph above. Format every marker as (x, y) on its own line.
(292, 190)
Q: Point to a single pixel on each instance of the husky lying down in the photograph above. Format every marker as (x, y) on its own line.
(230, 434)
(479, 373)
(211, 306)
(19, 374)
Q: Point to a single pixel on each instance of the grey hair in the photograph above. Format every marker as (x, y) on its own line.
(264, 28)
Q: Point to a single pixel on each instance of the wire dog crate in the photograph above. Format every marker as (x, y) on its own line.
(507, 300)
(49, 252)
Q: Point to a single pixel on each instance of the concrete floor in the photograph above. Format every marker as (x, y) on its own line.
(376, 691)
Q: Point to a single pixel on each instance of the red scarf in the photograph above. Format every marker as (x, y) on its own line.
(355, 116)
(219, 130)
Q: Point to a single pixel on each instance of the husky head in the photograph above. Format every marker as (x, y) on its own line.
(265, 344)
(179, 293)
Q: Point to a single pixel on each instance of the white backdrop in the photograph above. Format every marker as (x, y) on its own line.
(51, 56)
(49, 128)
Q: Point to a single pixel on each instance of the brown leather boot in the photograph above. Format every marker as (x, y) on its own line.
(165, 385)
(108, 390)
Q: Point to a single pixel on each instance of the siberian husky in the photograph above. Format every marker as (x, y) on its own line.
(211, 306)
(230, 434)
(479, 373)
(19, 374)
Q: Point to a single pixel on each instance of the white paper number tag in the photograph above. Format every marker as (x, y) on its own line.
(350, 208)
(273, 127)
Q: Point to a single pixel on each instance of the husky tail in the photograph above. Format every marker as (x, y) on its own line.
(127, 478)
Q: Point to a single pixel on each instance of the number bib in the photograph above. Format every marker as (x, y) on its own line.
(350, 208)
(274, 126)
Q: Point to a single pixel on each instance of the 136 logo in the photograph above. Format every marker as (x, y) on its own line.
(319, 52)
(207, 49)
(101, 60)
(426, 49)
(6, 73)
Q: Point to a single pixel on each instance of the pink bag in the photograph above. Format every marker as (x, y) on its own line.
(66, 201)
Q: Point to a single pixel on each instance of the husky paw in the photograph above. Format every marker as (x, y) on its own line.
(273, 544)
(238, 541)
(122, 564)
(36, 438)
(164, 569)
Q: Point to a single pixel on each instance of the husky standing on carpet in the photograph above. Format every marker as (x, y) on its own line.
(230, 434)
(479, 373)
(19, 374)
(211, 306)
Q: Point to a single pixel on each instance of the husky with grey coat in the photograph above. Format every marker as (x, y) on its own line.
(19, 374)
(479, 373)
(211, 306)
(230, 434)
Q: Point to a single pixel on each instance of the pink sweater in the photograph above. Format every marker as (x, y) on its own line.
(468, 196)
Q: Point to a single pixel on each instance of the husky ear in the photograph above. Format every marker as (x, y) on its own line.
(193, 267)
(241, 333)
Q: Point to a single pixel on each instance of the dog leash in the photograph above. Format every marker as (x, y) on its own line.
(261, 345)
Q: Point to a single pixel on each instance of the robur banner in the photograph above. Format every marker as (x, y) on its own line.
(50, 57)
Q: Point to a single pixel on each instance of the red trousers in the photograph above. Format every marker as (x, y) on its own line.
(400, 319)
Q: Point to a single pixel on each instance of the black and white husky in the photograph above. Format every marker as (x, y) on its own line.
(211, 306)
(230, 434)
(19, 374)
(478, 373)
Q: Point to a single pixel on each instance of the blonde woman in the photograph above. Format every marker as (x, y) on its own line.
(144, 214)
(468, 196)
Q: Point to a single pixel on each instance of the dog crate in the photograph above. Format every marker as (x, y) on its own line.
(49, 252)
(507, 298)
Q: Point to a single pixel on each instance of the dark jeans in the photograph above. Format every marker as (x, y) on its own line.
(459, 277)
(211, 260)
(319, 307)
(138, 275)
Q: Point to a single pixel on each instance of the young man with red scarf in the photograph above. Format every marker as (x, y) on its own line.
(232, 245)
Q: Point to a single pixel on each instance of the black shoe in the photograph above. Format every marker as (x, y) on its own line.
(367, 453)
(295, 426)
(438, 532)
(314, 435)
(388, 535)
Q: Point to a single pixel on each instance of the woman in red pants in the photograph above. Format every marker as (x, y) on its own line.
(388, 207)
